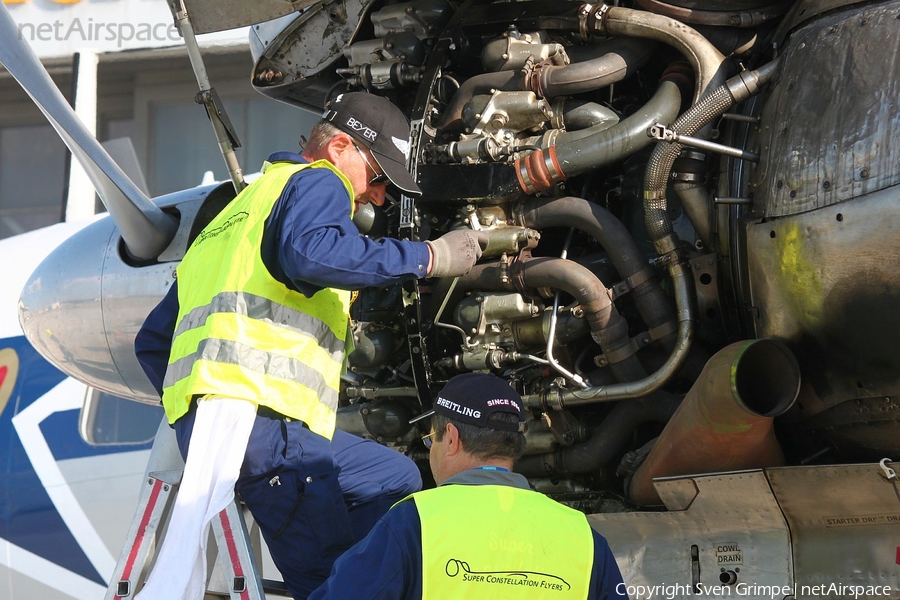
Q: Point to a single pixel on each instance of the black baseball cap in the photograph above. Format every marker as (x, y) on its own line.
(473, 397)
(380, 126)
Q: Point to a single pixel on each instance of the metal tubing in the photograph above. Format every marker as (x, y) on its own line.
(605, 442)
(725, 421)
(622, 57)
(559, 399)
(613, 65)
(608, 328)
(578, 281)
(693, 142)
(579, 151)
(654, 306)
(695, 199)
(551, 334)
(704, 57)
(485, 83)
(656, 179)
(663, 157)
(659, 227)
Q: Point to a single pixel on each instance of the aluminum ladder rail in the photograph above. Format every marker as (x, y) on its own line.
(236, 559)
(229, 528)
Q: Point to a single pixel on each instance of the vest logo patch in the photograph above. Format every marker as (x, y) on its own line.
(487, 579)
(216, 231)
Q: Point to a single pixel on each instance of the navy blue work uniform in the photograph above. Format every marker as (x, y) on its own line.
(311, 498)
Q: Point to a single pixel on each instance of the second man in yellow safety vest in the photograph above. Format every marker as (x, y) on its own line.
(482, 533)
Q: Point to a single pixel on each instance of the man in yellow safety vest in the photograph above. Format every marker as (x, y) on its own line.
(247, 350)
(482, 533)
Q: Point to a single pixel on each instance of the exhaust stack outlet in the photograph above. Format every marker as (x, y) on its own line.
(725, 421)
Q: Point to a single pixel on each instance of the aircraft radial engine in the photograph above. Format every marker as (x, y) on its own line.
(658, 181)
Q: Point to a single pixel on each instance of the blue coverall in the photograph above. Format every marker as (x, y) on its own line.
(309, 243)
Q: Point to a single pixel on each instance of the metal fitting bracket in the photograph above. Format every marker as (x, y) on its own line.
(637, 342)
(629, 283)
(661, 133)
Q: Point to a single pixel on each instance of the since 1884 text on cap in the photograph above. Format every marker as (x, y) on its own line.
(473, 397)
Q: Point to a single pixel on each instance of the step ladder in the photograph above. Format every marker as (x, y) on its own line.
(229, 527)
(235, 574)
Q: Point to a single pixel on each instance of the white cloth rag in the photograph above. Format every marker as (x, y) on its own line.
(218, 443)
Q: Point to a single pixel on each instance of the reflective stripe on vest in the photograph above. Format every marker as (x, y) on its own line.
(243, 334)
(501, 542)
(262, 309)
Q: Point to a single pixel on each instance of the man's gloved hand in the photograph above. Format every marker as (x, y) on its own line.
(453, 254)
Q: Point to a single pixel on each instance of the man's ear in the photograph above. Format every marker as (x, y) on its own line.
(451, 435)
(337, 147)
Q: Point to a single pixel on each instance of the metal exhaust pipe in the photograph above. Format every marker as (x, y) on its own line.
(725, 421)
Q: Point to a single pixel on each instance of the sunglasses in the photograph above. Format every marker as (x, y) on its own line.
(379, 177)
(426, 439)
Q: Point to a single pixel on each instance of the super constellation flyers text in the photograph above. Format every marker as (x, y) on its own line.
(672, 591)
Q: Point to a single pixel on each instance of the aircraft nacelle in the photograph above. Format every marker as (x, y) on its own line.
(83, 305)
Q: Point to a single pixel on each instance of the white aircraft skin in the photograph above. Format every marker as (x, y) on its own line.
(65, 505)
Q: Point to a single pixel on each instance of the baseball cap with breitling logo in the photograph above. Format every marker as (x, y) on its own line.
(473, 397)
(380, 126)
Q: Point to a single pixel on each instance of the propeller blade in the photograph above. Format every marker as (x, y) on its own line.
(121, 150)
(145, 228)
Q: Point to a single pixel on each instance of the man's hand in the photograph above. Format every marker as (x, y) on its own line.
(453, 254)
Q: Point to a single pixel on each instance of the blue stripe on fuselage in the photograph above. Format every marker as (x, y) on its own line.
(28, 517)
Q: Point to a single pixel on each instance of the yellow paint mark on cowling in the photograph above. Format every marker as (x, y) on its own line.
(799, 279)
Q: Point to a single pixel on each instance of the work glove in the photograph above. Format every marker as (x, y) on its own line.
(455, 253)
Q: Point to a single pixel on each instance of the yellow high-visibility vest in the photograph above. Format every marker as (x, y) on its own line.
(501, 542)
(243, 334)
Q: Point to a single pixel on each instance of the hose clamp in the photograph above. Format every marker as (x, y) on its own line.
(552, 165)
(599, 16)
(517, 214)
(524, 176)
(517, 274)
(689, 177)
(636, 343)
(591, 19)
(552, 400)
(669, 246)
(583, 13)
(533, 78)
(629, 283)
